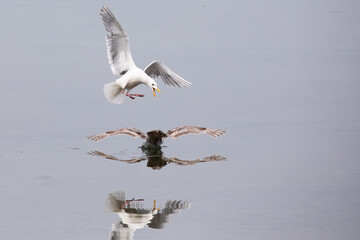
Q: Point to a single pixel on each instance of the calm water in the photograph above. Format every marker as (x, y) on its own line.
(281, 77)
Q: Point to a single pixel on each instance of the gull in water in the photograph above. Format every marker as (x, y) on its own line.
(155, 137)
(121, 63)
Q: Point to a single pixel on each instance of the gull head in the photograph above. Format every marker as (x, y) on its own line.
(152, 84)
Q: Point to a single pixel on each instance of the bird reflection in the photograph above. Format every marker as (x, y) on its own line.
(134, 216)
(156, 160)
(152, 149)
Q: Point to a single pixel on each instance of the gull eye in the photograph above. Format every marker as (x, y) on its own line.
(153, 84)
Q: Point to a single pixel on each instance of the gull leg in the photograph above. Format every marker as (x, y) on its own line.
(127, 94)
(132, 95)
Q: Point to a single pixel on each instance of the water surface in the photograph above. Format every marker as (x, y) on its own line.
(281, 77)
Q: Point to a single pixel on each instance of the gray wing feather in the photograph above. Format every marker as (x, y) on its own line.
(184, 130)
(170, 78)
(117, 42)
(124, 131)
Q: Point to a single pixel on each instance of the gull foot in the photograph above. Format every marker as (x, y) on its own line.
(127, 94)
(137, 95)
(132, 95)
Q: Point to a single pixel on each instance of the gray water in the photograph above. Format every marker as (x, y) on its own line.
(281, 77)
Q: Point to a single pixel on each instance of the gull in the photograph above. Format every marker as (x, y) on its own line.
(155, 137)
(121, 63)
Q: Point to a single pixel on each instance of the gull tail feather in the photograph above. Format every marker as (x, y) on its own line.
(112, 92)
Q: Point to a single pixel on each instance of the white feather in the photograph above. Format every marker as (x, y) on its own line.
(117, 42)
(112, 92)
(170, 78)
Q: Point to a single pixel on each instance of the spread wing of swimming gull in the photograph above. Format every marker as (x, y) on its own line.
(117, 43)
(184, 130)
(170, 78)
(125, 131)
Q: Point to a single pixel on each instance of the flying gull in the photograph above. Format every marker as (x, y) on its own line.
(156, 137)
(121, 63)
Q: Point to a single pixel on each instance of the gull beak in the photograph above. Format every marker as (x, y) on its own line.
(154, 208)
(156, 90)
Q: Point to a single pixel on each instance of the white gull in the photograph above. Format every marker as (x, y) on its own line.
(121, 63)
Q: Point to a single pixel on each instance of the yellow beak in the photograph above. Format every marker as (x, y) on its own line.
(154, 208)
(156, 90)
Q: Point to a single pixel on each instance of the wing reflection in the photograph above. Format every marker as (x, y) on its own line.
(134, 216)
(155, 158)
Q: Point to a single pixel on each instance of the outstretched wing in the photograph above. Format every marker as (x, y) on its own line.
(117, 43)
(126, 131)
(180, 131)
(170, 78)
